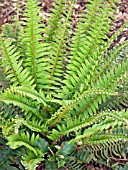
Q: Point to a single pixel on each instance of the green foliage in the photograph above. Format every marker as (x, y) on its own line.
(30, 160)
(7, 156)
(64, 92)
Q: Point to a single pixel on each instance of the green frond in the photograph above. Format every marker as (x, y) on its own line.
(111, 59)
(104, 153)
(113, 76)
(109, 81)
(69, 105)
(31, 37)
(24, 139)
(26, 105)
(7, 113)
(74, 165)
(101, 154)
(8, 32)
(105, 139)
(56, 36)
(30, 92)
(7, 128)
(6, 155)
(13, 68)
(34, 124)
(84, 60)
(93, 124)
(31, 161)
(118, 102)
(104, 125)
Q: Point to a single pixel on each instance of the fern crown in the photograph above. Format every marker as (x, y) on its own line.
(64, 77)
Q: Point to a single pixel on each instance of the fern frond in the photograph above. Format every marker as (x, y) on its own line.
(84, 60)
(108, 63)
(8, 32)
(74, 104)
(113, 76)
(74, 165)
(32, 35)
(30, 92)
(102, 153)
(105, 152)
(24, 139)
(9, 97)
(7, 113)
(104, 125)
(4, 83)
(31, 161)
(7, 128)
(107, 138)
(13, 68)
(55, 39)
(108, 82)
(34, 125)
(101, 121)
(120, 101)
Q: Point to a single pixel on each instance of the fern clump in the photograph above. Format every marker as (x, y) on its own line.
(69, 88)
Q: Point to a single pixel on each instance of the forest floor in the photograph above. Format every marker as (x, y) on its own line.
(8, 10)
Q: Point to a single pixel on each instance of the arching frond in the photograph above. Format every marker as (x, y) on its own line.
(87, 53)
(18, 100)
(75, 104)
(31, 161)
(24, 139)
(13, 68)
(92, 125)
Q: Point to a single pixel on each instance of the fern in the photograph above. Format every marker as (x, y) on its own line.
(6, 156)
(71, 88)
(23, 139)
(101, 118)
(30, 157)
(14, 68)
